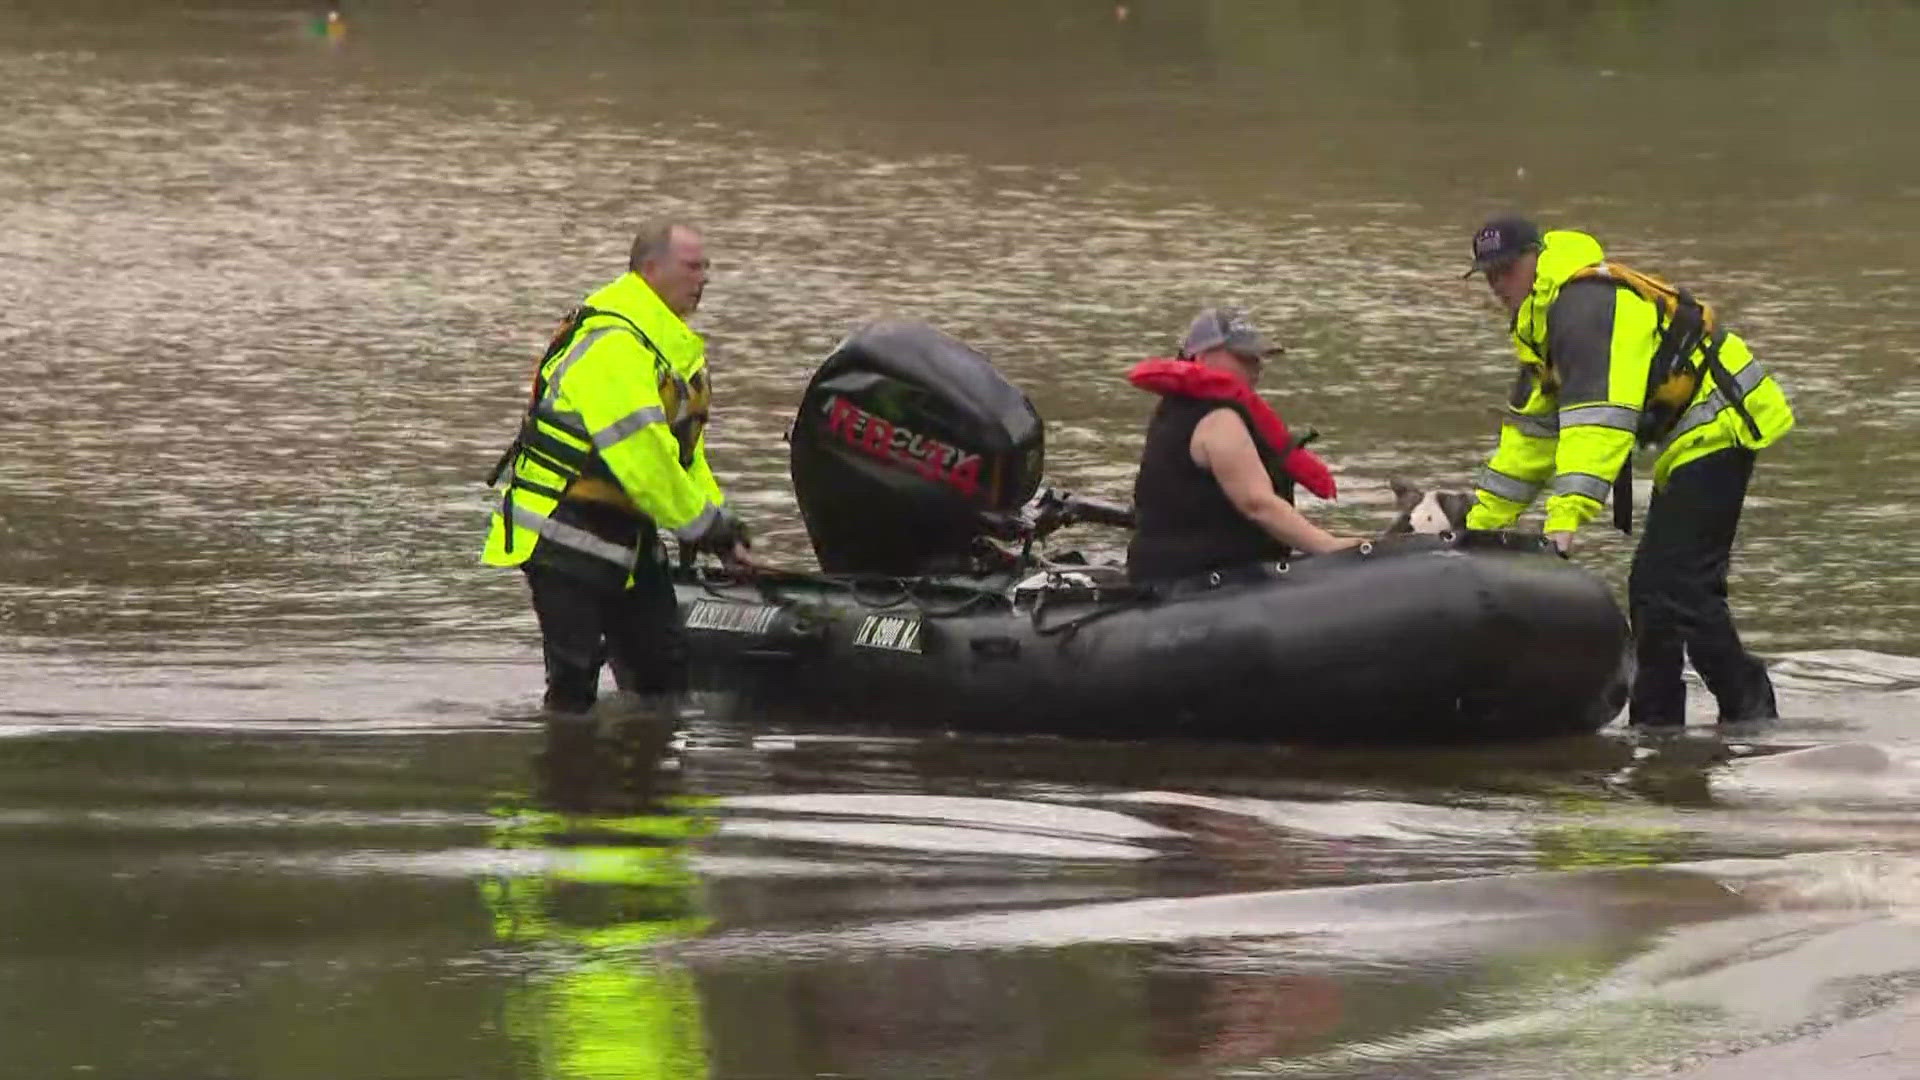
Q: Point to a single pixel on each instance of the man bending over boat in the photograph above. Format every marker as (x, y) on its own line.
(1611, 358)
(1215, 487)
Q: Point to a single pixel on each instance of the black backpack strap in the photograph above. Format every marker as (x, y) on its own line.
(1623, 497)
(1683, 332)
(1724, 382)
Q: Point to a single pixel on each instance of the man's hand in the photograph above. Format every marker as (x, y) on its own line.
(726, 534)
(1562, 542)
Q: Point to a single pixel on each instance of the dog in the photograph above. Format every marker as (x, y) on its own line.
(1417, 510)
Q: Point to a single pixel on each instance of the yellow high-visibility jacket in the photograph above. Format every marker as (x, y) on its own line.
(1586, 338)
(616, 433)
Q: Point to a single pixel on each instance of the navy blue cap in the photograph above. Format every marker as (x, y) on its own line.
(1500, 240)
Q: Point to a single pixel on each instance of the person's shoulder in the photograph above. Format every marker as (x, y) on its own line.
(1587, 290)
(1220, 421)
(1217, 412)
(612, 332)
(1590, 297)
(1219, 435)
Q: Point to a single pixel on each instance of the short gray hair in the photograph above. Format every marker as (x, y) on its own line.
(651, 241)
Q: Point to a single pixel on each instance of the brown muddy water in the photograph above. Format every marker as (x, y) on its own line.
(274, 801)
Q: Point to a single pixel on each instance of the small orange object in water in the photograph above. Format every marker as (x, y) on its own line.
(1120, 12)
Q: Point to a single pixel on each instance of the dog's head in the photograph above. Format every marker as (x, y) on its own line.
(1417, 510)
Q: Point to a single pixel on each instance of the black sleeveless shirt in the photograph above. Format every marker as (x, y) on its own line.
(1184, 522)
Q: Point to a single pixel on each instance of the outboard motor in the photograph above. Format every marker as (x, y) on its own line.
(906, 443)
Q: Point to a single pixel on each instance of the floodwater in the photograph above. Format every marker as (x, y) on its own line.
(274, 800)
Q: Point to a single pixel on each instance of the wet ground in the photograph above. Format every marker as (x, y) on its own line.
(421, 882)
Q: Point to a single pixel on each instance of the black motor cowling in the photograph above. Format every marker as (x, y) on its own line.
(905, 438)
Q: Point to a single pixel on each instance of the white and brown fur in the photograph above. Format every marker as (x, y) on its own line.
(1417, 510)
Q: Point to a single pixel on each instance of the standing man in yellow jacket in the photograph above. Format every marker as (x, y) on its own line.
(1611, 358)
(612, 450)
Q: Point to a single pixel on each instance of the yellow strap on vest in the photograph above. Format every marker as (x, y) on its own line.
(1664, 297)
(607, 492)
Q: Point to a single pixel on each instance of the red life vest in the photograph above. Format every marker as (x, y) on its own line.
(1185, 378)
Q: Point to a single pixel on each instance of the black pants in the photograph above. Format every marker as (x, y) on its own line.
(584, 625)
(1677, 597)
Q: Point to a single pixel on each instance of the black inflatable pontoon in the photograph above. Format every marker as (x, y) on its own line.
(915, 465)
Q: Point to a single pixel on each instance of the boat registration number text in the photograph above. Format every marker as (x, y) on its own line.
(900, 633)
(730, 618)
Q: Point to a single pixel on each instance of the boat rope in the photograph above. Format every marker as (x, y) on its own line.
(899, 591)
(1071, 626)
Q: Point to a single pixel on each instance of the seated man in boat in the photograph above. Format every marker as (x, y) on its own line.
(1215, 487)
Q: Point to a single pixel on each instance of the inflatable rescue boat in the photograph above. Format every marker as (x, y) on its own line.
(916, 466)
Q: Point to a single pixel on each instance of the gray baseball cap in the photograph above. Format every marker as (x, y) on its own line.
(1226, 328)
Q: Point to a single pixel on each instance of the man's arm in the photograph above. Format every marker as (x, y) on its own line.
(702, 473)
(1522, 461)
(1600, 348)
(741, 555)
(616, 390)
(1223, 446)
